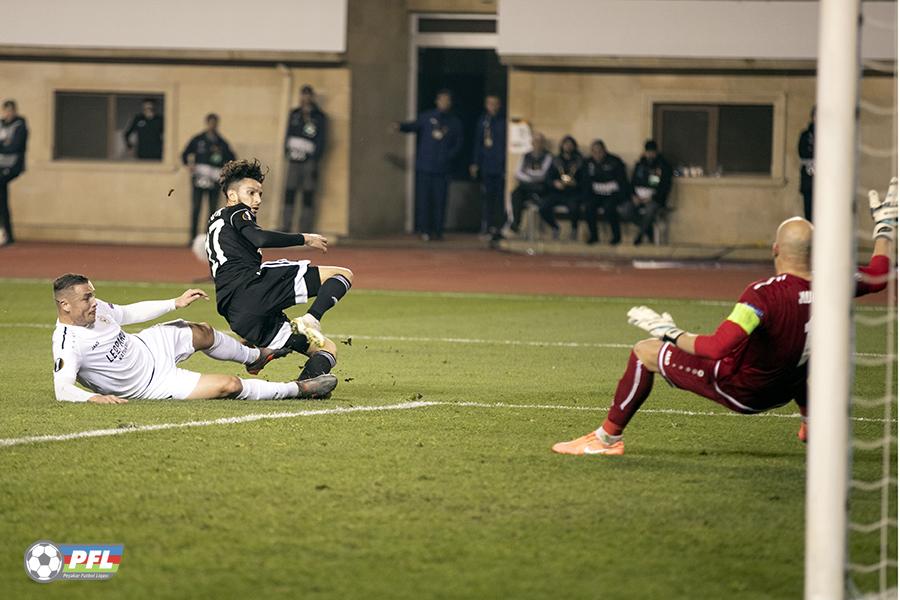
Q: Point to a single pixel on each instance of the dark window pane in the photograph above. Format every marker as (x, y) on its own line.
(745, 139)
(81, 125)
(683, 135)
(431, 25)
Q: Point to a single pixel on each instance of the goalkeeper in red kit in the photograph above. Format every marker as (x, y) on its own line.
(757, 358)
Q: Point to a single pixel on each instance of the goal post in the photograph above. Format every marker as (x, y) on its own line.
(831, 323)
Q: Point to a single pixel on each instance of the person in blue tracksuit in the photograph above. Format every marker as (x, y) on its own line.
(489, 161)
(439, 140)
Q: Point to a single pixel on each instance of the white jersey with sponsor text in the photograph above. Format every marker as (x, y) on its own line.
(105, 359)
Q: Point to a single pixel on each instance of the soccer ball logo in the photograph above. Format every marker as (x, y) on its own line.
(43, 561)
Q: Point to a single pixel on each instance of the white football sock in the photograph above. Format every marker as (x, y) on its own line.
(605, 437)
(260, 389)
(227, 348)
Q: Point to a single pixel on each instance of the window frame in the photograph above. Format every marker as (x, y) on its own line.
(170, 158)
(778, 102)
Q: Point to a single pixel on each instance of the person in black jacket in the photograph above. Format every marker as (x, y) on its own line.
(532, 178)
(148, 125)
(438, 142)
(205, 154)
(651, 183)
(13, 144)
(805, 148)
(607, 187)
(489, 161)
(304, 143)
(566, 179)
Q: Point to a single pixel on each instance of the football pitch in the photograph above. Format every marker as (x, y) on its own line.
(428, 474)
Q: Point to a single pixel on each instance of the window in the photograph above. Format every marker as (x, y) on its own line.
(92, 125)
(437, 25)
(724, 139)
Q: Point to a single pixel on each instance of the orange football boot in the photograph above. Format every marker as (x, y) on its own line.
(590, 444)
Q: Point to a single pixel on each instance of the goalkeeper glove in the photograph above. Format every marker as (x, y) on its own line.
(884, 213)
(660, 326)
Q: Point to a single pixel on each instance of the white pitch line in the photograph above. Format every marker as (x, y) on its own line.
(36, 439)
(647, 411)
(378, 408)
(450, 340)
(452, 295)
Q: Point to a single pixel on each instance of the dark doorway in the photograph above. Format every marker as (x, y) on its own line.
(469, 74)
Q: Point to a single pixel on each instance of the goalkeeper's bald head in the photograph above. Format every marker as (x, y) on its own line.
(793, 242)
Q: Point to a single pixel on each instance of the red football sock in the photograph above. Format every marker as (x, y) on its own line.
(633, 389)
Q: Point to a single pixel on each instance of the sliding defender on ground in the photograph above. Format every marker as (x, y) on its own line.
(757, 358)
(252, 295)
(90, 347)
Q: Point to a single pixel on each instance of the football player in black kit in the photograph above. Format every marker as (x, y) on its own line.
(252, 295)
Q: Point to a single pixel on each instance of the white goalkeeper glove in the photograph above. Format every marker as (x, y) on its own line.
(884, 212)
(660, 326)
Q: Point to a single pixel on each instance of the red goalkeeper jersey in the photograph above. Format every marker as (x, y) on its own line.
(763, 345)
(775, 354)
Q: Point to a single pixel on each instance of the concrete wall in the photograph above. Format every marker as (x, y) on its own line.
(378, 55)
(278, 25)
(128, 202)
(721, 211)
(452, 6)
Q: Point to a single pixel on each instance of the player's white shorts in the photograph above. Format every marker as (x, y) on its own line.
(169, 344)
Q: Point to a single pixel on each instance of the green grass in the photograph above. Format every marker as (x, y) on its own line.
(442, 501)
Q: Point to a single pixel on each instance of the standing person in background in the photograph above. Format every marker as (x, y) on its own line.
(304, 143)
(205, 154)
(805, 148)
(608, 187)
(148, 125)
(13, 144)
(532, 178)
(438, 142)
(566, 180)
(489, 160)
(650, 182)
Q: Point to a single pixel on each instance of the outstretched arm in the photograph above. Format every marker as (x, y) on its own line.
(140, 312)
(874, 276)
(262, 238)
(729, 335)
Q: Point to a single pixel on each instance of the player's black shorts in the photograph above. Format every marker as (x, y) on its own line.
(256, 310)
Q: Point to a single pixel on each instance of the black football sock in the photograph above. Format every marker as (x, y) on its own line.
(297, 343)
(332, 290)
(318, 364)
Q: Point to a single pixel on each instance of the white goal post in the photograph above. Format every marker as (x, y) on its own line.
(831, 324)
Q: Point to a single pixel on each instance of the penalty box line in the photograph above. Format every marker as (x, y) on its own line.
(94, 433)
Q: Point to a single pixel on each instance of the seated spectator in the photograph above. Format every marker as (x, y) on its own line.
(607, 188)
(532, 178)
(651, 182)
(566, 176)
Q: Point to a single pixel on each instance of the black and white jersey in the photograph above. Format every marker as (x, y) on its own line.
(233, 259)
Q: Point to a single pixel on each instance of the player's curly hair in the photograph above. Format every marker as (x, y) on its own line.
(235, 170)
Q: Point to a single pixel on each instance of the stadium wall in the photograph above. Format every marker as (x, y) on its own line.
(617, 107)
(129, 202)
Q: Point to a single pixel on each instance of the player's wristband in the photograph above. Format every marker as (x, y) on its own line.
(302, 239)
(672, 335)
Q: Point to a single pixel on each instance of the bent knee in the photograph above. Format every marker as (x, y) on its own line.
(647, 351)
(347, 273)
(232, 386)
(329, 347)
